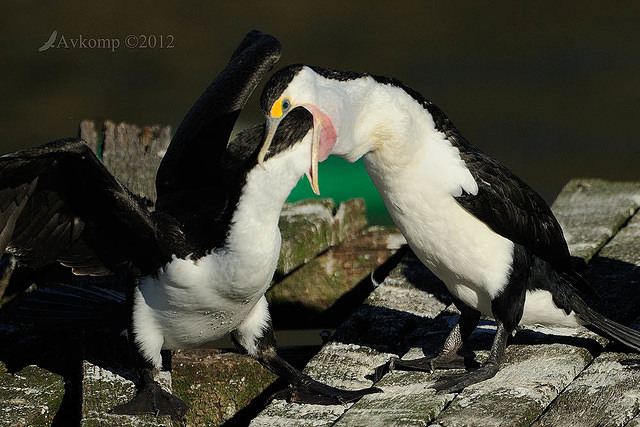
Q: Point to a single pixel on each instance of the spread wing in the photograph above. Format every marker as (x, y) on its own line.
(193, 185)
(58, 203)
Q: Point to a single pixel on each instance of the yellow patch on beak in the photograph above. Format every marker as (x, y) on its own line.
(276, 110)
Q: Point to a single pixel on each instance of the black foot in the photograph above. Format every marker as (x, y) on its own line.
(631, 363)
(316, 393)
(303, 389)
(430, 364)
(152, 399)
(459, 382)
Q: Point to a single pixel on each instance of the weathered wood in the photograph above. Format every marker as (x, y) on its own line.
(536, 369)
(338, 364)
(592, 210)
(102, 389)
(29, 397)
(88, 132)
(365, 341)
(130, 152)
(310, 227)
(216, 385)
(133, 154)
(606, 393)
(323, 292)
(407, 401)
(410, 314)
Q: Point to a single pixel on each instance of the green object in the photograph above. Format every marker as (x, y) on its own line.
(342, 181)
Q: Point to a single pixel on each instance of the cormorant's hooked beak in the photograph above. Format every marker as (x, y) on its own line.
(270, 131)
(324, 138)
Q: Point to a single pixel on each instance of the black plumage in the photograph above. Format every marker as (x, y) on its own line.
(489, 236)
(59, 204)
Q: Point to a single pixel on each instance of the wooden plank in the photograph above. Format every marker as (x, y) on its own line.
(365, 341)
(323, 292)
(407, 401)
(87, 131)
(409, 314)
(592, 210)
(216, 384)
(30, 396)
(538, 365)
(310, 227)
(338, 364)
(133, 154)
(606, 392)
(102, 389)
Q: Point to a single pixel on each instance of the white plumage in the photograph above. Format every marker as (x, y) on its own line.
(191, 303)
(489, 237)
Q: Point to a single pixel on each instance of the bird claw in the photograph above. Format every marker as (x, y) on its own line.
(457, 383)
(320, 394)
(430, 364)
(154, 400)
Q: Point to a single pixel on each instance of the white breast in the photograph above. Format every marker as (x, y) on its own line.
(193, 303)
(472, 260)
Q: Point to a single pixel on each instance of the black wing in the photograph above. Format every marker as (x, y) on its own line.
(58, 202)
(511, 208)
(191, 183)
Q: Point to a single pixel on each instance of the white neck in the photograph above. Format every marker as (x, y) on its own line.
(395, 135)
(194, 302)
(254, 236)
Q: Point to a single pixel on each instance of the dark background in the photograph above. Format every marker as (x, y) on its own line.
(551, 89)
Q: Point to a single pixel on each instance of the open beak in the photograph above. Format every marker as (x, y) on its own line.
(312, 174)
(324, 138)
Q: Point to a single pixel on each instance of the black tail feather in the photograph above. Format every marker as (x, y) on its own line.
(569, 298)
(578, 282)
(610, 329)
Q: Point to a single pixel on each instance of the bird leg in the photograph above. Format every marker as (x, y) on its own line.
(152, 399)
(303, 388)
(487, 370)
(448, 357)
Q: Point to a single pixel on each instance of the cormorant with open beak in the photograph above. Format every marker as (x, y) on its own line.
(486, 234)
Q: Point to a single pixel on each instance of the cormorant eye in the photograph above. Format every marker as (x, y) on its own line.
(286, 104)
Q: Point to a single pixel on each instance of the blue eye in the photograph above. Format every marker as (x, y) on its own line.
(286, 104)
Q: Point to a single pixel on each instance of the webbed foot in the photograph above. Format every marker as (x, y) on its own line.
(430, 364)
(153, 399)
(457, 383)
(314, 392)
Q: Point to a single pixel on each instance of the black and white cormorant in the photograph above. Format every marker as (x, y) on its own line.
(200, 264)
(486, 234)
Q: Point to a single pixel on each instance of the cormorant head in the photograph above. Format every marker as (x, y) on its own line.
(289, 89)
